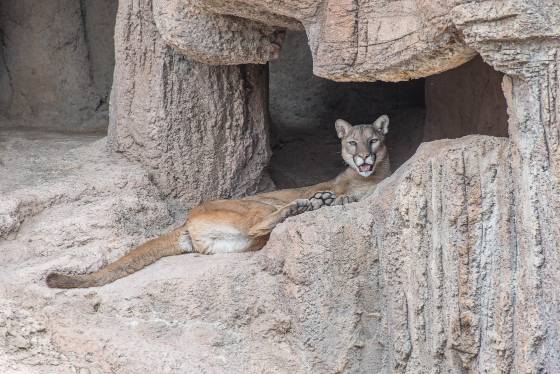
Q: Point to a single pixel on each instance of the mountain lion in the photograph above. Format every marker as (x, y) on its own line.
(225, 226)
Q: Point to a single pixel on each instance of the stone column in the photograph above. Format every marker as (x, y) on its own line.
(523, 45)
(200, 130)
(534, 126)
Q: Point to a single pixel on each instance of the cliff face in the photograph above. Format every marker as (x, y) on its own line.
(451, 265)
(56, 64)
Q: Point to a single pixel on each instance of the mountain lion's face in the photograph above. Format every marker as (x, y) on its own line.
(363, 146)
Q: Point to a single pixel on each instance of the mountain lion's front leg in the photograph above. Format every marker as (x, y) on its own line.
(318, 200)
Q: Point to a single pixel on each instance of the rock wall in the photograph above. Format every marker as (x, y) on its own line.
(418, 277)
(451, 265)
(201, 131)
(426, 274)
(467, 233)
(466, 100)
(56, 64)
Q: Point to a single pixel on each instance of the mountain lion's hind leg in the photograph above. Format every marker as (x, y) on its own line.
(318, 200)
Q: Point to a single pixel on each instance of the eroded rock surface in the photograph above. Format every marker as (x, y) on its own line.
(215, 38)
(56, 63)
(355, 41)
(450, 266)
(200, 130)
(425, 274)
(396, 40)
(466, 100)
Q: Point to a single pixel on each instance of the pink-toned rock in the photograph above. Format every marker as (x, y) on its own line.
(424, 274)
(56, 64)
(451, 265)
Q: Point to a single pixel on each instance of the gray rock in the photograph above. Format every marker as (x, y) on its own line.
(466, 100)
(201, 131)
(56, 64)
(451, 265)
(215, 38)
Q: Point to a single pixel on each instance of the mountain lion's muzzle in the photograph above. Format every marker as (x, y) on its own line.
(365, 164)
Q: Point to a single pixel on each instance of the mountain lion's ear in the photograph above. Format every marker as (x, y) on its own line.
(382, 124)
(342, 128)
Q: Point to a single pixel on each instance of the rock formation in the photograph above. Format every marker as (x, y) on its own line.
(451, 265)
(201, 130)
(56, 64)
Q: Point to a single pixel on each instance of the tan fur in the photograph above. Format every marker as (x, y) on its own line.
(244, 225)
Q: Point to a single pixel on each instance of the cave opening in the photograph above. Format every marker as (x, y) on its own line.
(303, 108)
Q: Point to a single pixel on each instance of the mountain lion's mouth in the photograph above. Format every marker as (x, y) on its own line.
(365, 167)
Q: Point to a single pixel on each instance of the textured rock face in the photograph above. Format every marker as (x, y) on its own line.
(200, 130)
(451, 265)
(56, 63)
(426, 283)
(214, 38)
(534, 112)
(457, 252)
(60, 191)
(448, 260)
(393, 41)
(359, 41)
(426, 274)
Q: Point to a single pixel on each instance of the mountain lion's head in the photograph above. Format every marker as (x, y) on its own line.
(363, 146)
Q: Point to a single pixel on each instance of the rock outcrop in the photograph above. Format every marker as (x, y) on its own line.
(451, 265)
(425, 274)
(300, 100)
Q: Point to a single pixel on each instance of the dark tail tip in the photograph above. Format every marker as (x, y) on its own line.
(56, 280)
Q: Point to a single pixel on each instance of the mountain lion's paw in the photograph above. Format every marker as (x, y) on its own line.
(301, 206)
(344, 199)
(320, 199)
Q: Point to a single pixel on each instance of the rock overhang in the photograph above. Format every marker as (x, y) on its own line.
(357, 40)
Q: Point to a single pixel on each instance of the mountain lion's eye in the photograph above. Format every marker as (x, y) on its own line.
(373, 141)
(353, 143)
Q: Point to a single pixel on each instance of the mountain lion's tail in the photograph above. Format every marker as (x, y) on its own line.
(137, 259)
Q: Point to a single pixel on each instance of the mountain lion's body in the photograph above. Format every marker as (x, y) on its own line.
(225, 226)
